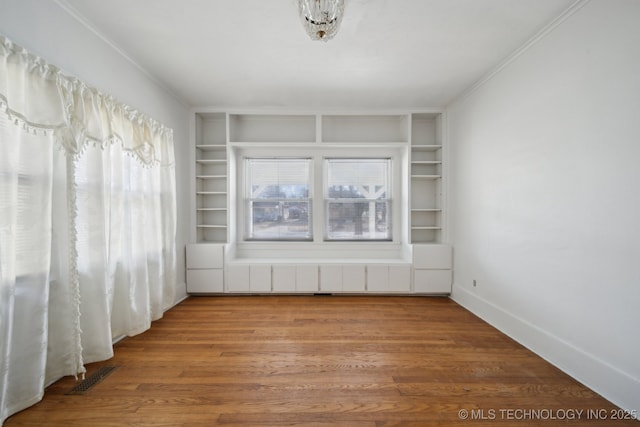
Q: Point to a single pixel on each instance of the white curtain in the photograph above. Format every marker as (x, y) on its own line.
(87, 225)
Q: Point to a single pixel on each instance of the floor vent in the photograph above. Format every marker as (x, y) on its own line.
(93, 379)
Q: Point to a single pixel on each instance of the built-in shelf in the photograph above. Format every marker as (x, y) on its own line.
(426, 165)
(211, 173)
(211, 161)
(211, 147)
(272, 128)
(368, 128)
(426, 176)
(220, 134)
(418, 147)
(221, 262)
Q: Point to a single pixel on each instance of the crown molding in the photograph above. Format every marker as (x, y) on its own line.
(75, 14)
(540, 35)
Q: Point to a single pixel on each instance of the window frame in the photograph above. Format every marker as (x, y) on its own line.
(249, 199)
(319, 247)
(327, 200)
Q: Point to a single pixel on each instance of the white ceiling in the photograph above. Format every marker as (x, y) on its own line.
(388, 54)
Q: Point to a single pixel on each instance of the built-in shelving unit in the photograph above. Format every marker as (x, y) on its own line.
(217, 132)
(426, 218)
(211, 172)
(417, 261)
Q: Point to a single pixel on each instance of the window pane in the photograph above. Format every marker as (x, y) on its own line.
(352, 220)
(278, 202)
(358, 196)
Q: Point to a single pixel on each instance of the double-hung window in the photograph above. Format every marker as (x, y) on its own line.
(357, 199)
(278, 197)
(357, 204)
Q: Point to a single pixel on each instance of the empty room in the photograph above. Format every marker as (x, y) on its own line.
(356, 213)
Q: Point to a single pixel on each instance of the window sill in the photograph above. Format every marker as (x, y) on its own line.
(319, 252)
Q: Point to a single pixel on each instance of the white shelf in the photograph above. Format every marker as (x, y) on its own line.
(211, 161)
(418, 147)
(270, 128)
(426, 176)
(368, 128)
(211, 147)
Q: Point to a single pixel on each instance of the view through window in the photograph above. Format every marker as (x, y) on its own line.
(357, 199)
(279, 202)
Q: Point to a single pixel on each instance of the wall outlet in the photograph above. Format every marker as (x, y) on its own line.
(474, 283)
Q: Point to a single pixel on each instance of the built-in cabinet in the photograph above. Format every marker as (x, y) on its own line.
(205, 268)
(387, 278)
(432, 269)
(425, 263)
(430, 276)
(343, 278)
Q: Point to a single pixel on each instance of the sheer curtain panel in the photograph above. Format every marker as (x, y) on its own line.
(87, 225)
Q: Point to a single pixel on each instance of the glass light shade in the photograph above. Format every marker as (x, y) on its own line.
(321, 18)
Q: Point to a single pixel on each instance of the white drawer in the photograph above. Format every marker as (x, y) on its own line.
(205, 281)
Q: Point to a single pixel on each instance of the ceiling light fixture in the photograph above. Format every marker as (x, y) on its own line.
(321, 18)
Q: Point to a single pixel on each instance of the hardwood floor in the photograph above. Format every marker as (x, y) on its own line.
(322, 361)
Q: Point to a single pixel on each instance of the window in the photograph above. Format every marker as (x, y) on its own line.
(357, 199)
(278, 199)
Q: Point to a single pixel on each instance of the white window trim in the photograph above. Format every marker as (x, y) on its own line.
(319, 250)
(326, 200)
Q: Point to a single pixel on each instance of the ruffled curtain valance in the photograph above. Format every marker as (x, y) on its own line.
(41, 98)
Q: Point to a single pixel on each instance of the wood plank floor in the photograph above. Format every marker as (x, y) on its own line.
(322, 361)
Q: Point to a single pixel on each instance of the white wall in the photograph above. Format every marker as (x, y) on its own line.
(545, 198)
(48, 30)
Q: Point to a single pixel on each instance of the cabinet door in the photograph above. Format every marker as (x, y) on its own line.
(238, 278)
(202, 255)
(260, 278)
(205, 281)
(307, 278)
(432, 281)
(353, 278)
(284, 278)
(377, 278)
(400, 278)
(330, 278)
(432, 256)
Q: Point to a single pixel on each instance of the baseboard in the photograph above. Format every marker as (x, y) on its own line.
(178, 301)
(611, 383)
